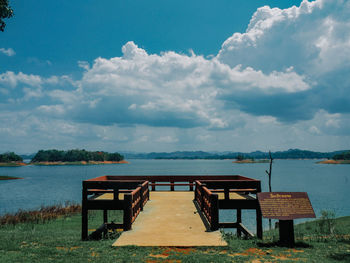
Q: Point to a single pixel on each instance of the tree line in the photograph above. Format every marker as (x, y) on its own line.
(342, 156)
(75, 155)
(10, 157)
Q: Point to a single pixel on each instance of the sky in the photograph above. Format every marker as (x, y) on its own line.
(165, 75)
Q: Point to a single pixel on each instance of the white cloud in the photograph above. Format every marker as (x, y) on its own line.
(12, 79)
(170, 89)
(8, 52)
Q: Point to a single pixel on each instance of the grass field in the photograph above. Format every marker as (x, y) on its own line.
(58, 240)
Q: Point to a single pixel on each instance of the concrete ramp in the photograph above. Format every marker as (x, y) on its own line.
(170, 219)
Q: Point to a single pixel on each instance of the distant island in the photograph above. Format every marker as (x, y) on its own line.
(76, 156)
(59, 157)
(341, 158)
(11, 159)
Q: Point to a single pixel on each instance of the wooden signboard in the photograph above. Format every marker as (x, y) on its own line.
(285, 205)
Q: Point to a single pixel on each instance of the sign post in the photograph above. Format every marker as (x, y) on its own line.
(285, 206)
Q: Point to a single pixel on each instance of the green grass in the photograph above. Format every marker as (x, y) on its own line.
(59, 241)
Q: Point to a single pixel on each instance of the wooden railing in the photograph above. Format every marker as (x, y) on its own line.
(136, 195)
(207, 199)
(173, 181)
(208, 203)
(145, 193)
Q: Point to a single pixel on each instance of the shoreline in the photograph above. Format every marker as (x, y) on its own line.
(80, 163)
(252, 161)
(13, 164)
(19, 164)
(334, 162)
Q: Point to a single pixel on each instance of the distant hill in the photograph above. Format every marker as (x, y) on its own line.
(289, 154)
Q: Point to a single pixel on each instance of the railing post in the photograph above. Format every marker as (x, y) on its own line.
(191, 185)
(84, 214)
(195, 191)
(141, 196)
(127, 218)
(148, 191)
(153, 186)
(172, 187)
(214, 211)
(202, 196)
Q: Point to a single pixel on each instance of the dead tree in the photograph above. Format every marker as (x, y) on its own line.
(269, 174)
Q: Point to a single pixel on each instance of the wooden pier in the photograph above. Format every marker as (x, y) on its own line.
(171, 218)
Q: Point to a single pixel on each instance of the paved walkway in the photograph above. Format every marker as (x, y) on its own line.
(170, 219)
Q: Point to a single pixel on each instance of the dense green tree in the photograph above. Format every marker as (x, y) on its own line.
(5, 12)
(75, 155)
(342, 156)
(10, 157)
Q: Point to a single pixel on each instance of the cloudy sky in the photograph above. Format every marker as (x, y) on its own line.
(175, 75)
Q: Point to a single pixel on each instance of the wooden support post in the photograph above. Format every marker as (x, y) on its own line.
(239, 220)
(84, 214)
(105, 216)
(227, 193)
(105, 221)
(259, 228)
(84, 223)
(127, 218)
(214, 207)
(153, 186)
(172, 187)
(286, 231)
(116, 194)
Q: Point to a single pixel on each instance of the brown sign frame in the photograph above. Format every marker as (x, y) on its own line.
(285, 205)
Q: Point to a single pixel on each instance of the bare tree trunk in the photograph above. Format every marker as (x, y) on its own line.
(269, 174)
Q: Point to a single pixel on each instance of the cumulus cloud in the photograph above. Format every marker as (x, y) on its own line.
(8, 52)
(12, 79)
(314, 39)
(169, 89)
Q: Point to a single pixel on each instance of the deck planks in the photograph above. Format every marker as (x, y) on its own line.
(170, 219)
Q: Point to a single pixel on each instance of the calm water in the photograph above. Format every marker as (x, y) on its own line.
(327, 185)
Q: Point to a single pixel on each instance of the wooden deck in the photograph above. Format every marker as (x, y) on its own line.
(170, 219)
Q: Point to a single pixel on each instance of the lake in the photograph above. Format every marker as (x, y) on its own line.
(327, 185)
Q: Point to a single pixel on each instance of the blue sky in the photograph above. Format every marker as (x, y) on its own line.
(175, 75)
